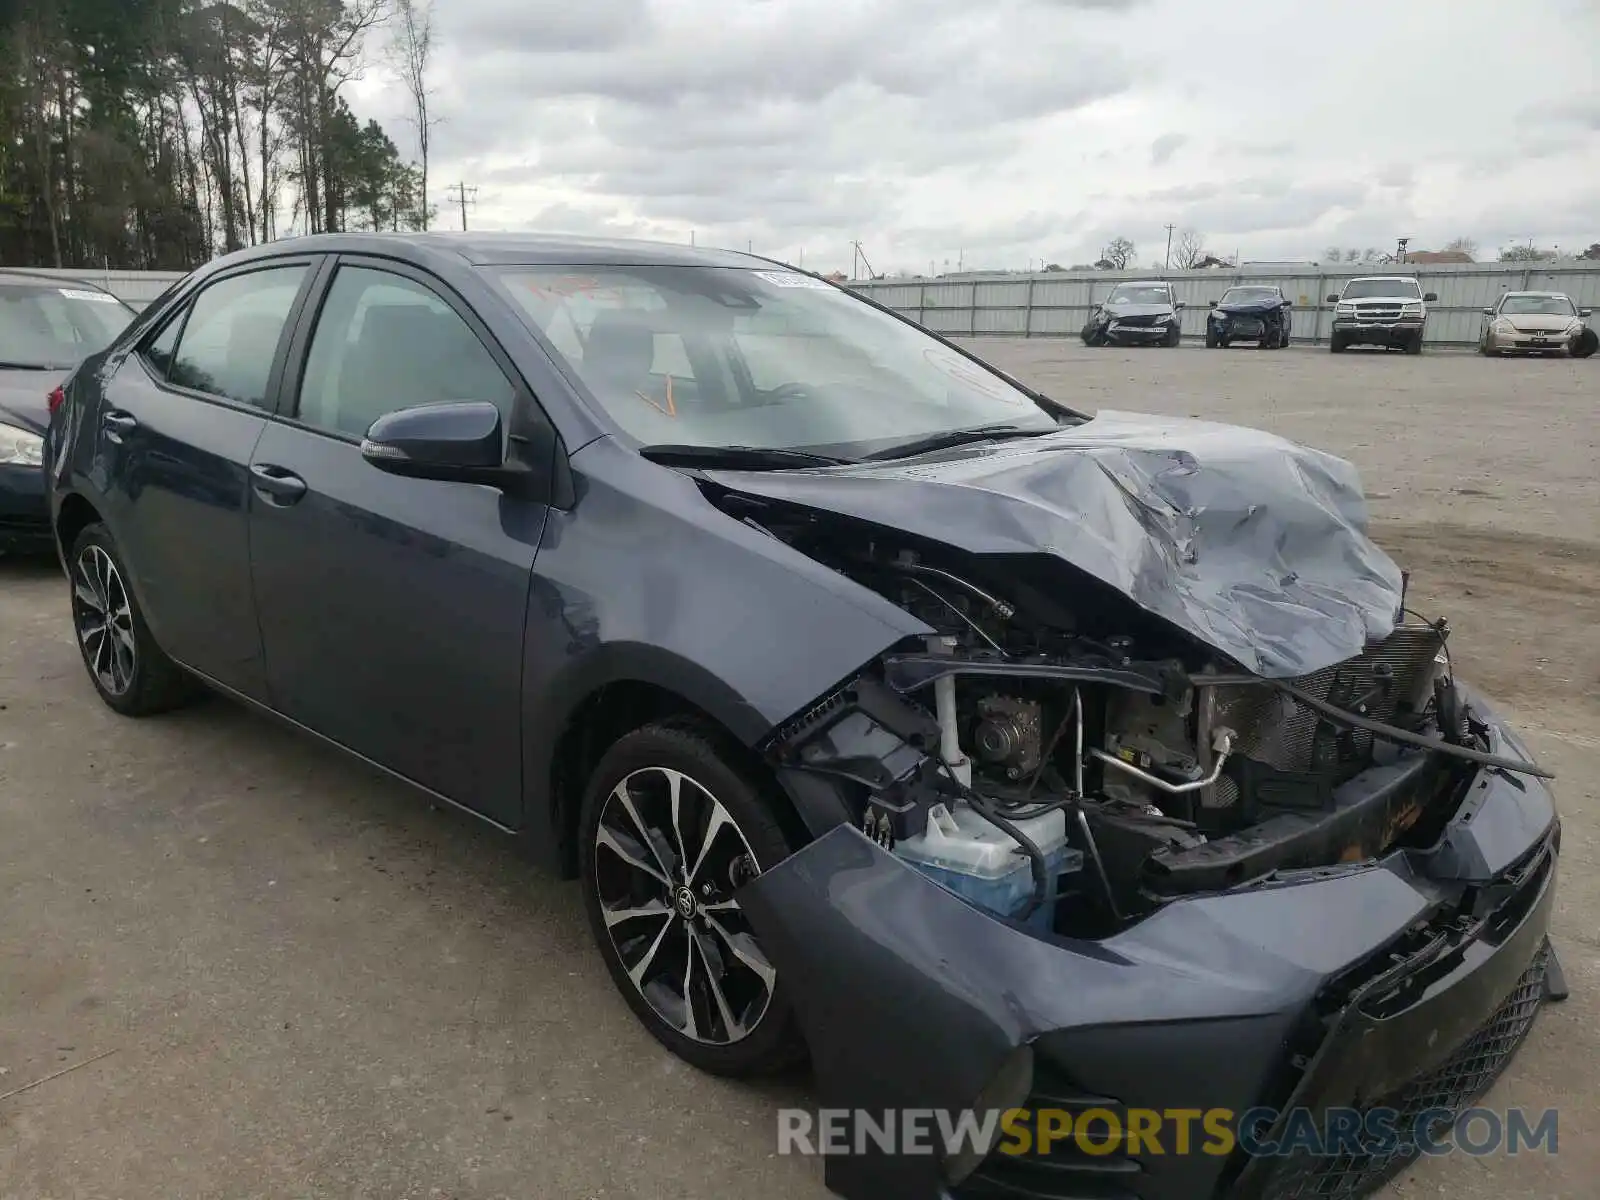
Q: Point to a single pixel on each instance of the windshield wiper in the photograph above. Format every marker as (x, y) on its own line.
(738, 458)
(956, 437)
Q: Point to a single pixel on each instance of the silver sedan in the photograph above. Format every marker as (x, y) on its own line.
(1532, 323)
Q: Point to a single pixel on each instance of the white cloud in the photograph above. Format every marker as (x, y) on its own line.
(940, 129)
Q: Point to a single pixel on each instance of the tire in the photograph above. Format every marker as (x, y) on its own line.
(131, 672)
(1414, 345)
(1336, 344)
(1212, 340)
(645, 875)
(1585, 344)
(1173, 338)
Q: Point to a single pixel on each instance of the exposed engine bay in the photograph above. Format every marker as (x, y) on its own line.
(1068, 760)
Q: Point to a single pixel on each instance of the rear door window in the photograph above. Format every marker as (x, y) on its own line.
(228, 344)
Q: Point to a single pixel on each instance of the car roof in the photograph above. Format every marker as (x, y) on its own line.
(19, 277)
(1541, 295)
(1144, 283)
(1382, 279)
(514, 249)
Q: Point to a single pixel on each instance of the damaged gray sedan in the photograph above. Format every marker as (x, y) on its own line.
(992, 754)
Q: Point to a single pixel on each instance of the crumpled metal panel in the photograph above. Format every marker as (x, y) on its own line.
(1253, 544)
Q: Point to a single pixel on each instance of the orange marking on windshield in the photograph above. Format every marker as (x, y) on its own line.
(671, 409)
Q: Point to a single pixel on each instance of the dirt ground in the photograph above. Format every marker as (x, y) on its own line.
(306, 982)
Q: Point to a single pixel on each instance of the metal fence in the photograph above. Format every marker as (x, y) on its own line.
(1057, 303)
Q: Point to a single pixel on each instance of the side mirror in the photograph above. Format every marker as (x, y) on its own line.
(1488, 312)
(456, 443)
(1178, 305)
(1288, 304)
(1430, 297)
(1211, 303)
(1332, 298)
(1585, 313)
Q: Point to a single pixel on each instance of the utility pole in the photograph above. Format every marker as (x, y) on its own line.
(1169, 247)
(466, 197)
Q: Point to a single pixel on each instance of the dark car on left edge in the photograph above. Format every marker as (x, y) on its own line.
(1258, 313)
(47, 326)
(994, 754)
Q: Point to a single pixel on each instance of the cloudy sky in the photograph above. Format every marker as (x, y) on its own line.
(1007, 131)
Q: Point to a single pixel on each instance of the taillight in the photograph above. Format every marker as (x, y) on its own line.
(56, 399)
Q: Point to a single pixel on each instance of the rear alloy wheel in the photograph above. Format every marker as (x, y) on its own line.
(671, 832)
(125, 665)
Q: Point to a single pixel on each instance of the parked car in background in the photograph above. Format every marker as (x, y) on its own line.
(47, 326)
(1533, 323)
(1135, 314)
(1257, 313)
(1380, 310)
(999, 755)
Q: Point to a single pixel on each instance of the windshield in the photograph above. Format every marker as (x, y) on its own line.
(1141, 293)
(56, 327)
(716, 356)
(1248, 295)
(1360, 289)
(1540, 306)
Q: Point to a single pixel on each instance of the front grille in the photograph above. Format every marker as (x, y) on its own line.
(1378, 312)
(1142, 322)
(1277, 731)
(1455, 1085)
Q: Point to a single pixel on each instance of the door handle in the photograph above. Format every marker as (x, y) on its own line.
(116, 423)
(276, 485)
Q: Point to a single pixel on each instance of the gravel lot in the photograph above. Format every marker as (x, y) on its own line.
(307, 982)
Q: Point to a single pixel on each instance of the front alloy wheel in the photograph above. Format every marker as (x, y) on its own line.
(671, 835)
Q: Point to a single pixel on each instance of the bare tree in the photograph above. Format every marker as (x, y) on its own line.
(1119, 253)
(413, 48)
(1189, 250)
(1333, 254)
(1528, 253)
(1352, 255)
(1463, 245)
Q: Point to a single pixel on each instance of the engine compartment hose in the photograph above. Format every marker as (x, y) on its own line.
(1389, 733)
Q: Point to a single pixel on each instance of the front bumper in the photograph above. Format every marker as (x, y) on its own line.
(24, 510)
(1138, 334)
(1530, 343)
(1408, 980)
(1358, 332)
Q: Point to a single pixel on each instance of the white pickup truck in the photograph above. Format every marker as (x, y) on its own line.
(1380, 310)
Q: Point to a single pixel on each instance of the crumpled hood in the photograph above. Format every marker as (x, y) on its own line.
(1248, 308)
(1121, 309)
(23, 398)
(1252, 544)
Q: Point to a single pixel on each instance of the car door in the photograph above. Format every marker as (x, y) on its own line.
(178, 421)
(392, 609)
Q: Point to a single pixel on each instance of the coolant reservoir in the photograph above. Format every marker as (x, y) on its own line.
(966, 853)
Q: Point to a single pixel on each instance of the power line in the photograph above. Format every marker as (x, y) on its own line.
(464, 197)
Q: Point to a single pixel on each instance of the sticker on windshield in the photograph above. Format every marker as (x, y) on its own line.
(790, 279)
(97, 297)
